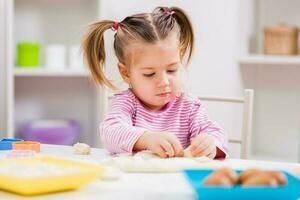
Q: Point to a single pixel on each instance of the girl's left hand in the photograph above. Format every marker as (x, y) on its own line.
(203, 145)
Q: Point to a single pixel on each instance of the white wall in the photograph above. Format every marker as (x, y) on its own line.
(213, 69)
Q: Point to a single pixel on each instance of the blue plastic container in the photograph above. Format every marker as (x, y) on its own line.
(287, 192)
(6, 143)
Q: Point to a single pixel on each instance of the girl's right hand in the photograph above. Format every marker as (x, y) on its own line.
(163, 144)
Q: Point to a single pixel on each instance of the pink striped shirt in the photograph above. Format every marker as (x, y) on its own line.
(127, 119)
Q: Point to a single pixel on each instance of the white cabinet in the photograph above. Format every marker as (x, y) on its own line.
(56, 94)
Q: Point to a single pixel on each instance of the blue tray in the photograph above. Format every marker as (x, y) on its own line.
(196, 178)
(6, 143)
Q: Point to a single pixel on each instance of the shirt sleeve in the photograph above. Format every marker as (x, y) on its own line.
(117, 132)
(199, 123)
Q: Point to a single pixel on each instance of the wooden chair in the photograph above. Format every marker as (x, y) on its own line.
(247, 101)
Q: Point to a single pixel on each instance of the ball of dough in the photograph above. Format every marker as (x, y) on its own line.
(261, 179)
(111, 173)
(279, 176)
(218, 180)
(229, 173)
(187, 153)
(81, 149)
(248, 174)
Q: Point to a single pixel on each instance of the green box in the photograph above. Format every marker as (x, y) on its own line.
(28, 54)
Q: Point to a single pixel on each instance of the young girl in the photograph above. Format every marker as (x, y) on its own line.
(153, 114)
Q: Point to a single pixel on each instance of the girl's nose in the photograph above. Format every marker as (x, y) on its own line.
(163, 80)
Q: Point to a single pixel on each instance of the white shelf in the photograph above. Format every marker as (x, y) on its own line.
(20, 72)
(273, 158)
(257, 59)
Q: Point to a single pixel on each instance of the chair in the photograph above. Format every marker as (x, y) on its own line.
(247, 101)
(299, 149)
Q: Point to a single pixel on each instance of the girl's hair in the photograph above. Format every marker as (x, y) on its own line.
(145, 27)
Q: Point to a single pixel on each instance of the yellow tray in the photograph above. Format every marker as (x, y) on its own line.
(26, 185)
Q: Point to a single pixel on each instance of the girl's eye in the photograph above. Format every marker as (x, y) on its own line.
(172, 71)
(149, 75)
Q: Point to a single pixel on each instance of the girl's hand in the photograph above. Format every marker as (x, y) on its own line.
(162, 144)
(203, 145)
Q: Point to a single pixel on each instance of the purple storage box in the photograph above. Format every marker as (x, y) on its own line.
(62, 132)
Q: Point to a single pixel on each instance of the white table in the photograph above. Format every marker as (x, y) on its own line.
(137, 185)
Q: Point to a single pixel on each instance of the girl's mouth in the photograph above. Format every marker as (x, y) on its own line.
(164, 94)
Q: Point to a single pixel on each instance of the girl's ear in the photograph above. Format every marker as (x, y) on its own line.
(124, 72)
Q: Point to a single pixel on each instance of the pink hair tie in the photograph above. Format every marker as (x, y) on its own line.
(115, 26)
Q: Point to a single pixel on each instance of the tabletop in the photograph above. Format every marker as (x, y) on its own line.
(137, 185)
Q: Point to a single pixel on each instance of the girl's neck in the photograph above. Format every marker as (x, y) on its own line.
(155, 109)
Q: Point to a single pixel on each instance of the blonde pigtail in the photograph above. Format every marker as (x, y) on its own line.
(186, 31)
(94, 52)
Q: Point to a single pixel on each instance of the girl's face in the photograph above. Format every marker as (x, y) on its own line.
(154, 72)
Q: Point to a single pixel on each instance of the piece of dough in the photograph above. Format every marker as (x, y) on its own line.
(111, 173)
(147, 162)
(187, 153)
(81, 149)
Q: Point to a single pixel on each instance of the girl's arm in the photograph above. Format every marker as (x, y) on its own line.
(117, 132)
(200, 123)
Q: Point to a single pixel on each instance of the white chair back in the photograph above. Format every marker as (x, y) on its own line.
(243, 139)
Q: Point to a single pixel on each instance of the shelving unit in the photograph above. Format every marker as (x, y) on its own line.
(276, 82)
(41, 93)
(273, 158)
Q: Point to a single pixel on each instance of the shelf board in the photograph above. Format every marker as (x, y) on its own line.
(24, 72)
(273, 158)
(257, 59)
